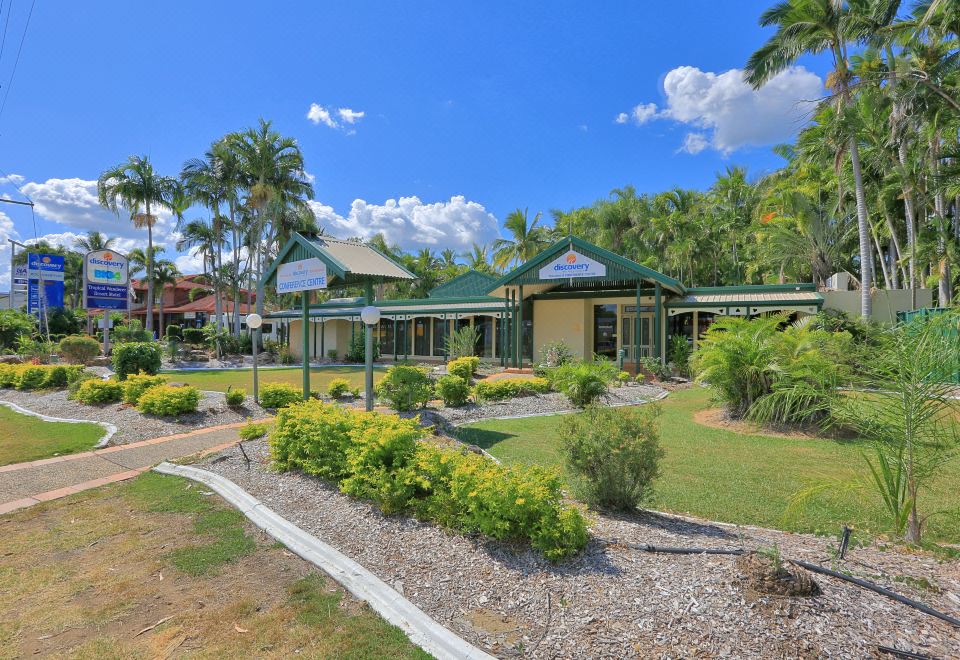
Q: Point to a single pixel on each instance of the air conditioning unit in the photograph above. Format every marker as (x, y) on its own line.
(839, 282)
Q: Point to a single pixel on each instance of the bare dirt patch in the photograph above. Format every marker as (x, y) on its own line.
(719, 419)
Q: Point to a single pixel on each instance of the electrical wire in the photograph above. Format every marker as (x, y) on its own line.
(3, 40)
(6, 92)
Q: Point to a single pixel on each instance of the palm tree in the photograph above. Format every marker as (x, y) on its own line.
(94, 240)
(164, 272)
(526, 240)
(816, 26)
(478, 259)
(137, 265)
(137, 188)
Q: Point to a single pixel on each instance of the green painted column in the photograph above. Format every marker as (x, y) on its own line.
(394, 338)
(323, 338)
(446, 333)
(657, 321)
(406, 339)
(520, 328)
(368, 353)
(314, 326)
(636, 336)
(305, 320)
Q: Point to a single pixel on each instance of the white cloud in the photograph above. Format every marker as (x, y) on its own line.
(411, 224)
(319, 114)
(68, 240)
(350, 116)
(15, 179)
(729, 112)
(622, 118)
(7, 230)
(190, 263)
(73, 203)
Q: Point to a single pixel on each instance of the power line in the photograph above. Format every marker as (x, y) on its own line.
(3, 41)
(6, 92)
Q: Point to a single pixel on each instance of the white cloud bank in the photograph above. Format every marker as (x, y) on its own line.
(727, 112)
(412, 224)
(319, 114)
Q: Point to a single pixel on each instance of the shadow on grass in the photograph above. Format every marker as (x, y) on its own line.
(482, 438)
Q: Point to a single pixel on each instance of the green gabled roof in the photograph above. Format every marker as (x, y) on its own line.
(619, 269)
(466, 285)
(348, 262)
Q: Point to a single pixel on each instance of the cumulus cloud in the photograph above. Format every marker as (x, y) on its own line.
(319, 114)
(68, 241)
(412, 224)
(728, 112)
(7, 230)
(73, 203)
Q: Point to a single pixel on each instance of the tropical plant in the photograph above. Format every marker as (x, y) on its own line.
(462, 343)
(584, 382)
(453, 390)
(525, 239)
(136, 357)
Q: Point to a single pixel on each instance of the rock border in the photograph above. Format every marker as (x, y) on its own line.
(108, 427)
(422, 630)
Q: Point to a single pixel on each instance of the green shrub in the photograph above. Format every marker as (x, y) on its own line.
(405, 388)
(623, 377)
(79, 349)
(279, 395)
(136, 357)
(252, 431)
(338, 387)
(465, 367)
(584, 382)
(38, 376)
(95, 390)
(379, 457)
(9, 374)
(31, 377)
(74, 385)
(462, 342)
(14, 324)
(614, 454)
(169, 401)
(193, 336)
(133, 332)
(454, 390)
(556, 353)
(679, 354)
(235, 397)
(654, 367)
(332, 353)
(60, 376)
(509, 388)
(136, 384)
(357, 351)
(174, 332)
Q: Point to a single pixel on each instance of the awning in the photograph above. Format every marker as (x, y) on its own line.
(748, 301)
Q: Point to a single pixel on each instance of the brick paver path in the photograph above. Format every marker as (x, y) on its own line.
(26, 484)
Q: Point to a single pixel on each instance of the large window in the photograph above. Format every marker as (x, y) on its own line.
(421, 336)
(680, 324)
(385, 328)
(484, 326)
(605, 331)
(441, 328)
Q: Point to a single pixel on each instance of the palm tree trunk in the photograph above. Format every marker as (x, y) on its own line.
(863, 230)
(909, 212)
(149, 320)
(894, 265)
(883, 262)
(160, 328)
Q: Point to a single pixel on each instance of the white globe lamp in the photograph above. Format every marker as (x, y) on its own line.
(254, 321)
(370, 315)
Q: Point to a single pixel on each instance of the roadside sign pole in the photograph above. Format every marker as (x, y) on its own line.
(305, 316)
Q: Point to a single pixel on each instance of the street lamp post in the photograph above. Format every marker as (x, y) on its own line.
(254, 321)
(370, 316)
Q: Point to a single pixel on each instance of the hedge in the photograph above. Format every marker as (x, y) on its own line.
(194, 336)
(79, 349)
(508, 388)
(379, 457)
(169, 401)
(465, 367)
(38, 376)
(136, 357)
(137, 384)
(405, 388)
(279, 395)
(96, 391)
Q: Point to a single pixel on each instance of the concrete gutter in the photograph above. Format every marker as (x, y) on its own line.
(109, 428)
(418, 626)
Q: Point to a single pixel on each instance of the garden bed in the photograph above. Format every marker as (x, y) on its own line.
(614, 600)
(537, 404)
(131, 424)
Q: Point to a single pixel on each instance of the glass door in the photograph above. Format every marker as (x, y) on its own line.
(605, 331)
(628, 326)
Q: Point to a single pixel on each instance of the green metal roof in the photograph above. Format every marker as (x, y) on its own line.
(471, 283)
(619, 269)
(401, 308)
(348, 262)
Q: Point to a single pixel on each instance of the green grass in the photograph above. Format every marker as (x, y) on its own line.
(28, 438)
(218, 380)
(746, 479)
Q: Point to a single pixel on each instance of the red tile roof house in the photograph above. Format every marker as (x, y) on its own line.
(179, 309)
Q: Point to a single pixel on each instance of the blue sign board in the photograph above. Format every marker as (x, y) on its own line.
(106, 296)
(49, 268)
(53, 292)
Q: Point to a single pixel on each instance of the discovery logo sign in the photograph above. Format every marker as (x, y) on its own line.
(106, 267)
(572, 264)
(303, 275)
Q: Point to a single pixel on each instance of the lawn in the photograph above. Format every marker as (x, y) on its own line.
(28, 438)
(740, 478)
(218, 380)
(157, 567)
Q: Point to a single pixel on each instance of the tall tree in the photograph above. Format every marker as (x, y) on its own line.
(525, 239)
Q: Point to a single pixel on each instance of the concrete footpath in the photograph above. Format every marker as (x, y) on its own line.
(26, 484)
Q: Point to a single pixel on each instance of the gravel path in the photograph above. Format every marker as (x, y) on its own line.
(538, 404)
(131, 424)
(613, 601)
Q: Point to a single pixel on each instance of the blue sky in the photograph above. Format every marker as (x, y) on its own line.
(473, 109)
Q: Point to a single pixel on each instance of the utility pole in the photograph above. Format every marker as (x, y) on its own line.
(12, 248)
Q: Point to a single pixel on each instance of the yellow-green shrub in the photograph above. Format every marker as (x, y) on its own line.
(508, 388)
(38, 376)
(279, 395)
(235, 396)
(379, 457)
(137, 384)
(405, 387)
(465, 367)
(95, 391)
(454, 390)
(166, 400)
(79, 349)
(338, 387)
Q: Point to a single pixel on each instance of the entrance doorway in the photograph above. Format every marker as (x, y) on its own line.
(605, 331)
(628, 324)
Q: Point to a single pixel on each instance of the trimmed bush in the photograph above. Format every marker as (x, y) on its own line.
(252, 431)
(74, 385)
(32, 377)
(338, 387)
(379, 457)
(136, 384)
(465, 367)
(454, 390)
(79, 349)
(613, 454)
(38, 376)
(94, 391)
(169, 401)
(509, 388)
(405, 387)
(584, 382)
(60, 375)
(174, 332)
(235, 397)
(194, 336)
(279, 395)
(136, 357)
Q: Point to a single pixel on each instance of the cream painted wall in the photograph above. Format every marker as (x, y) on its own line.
(336, 335)
(555, 320)
(886, 303)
